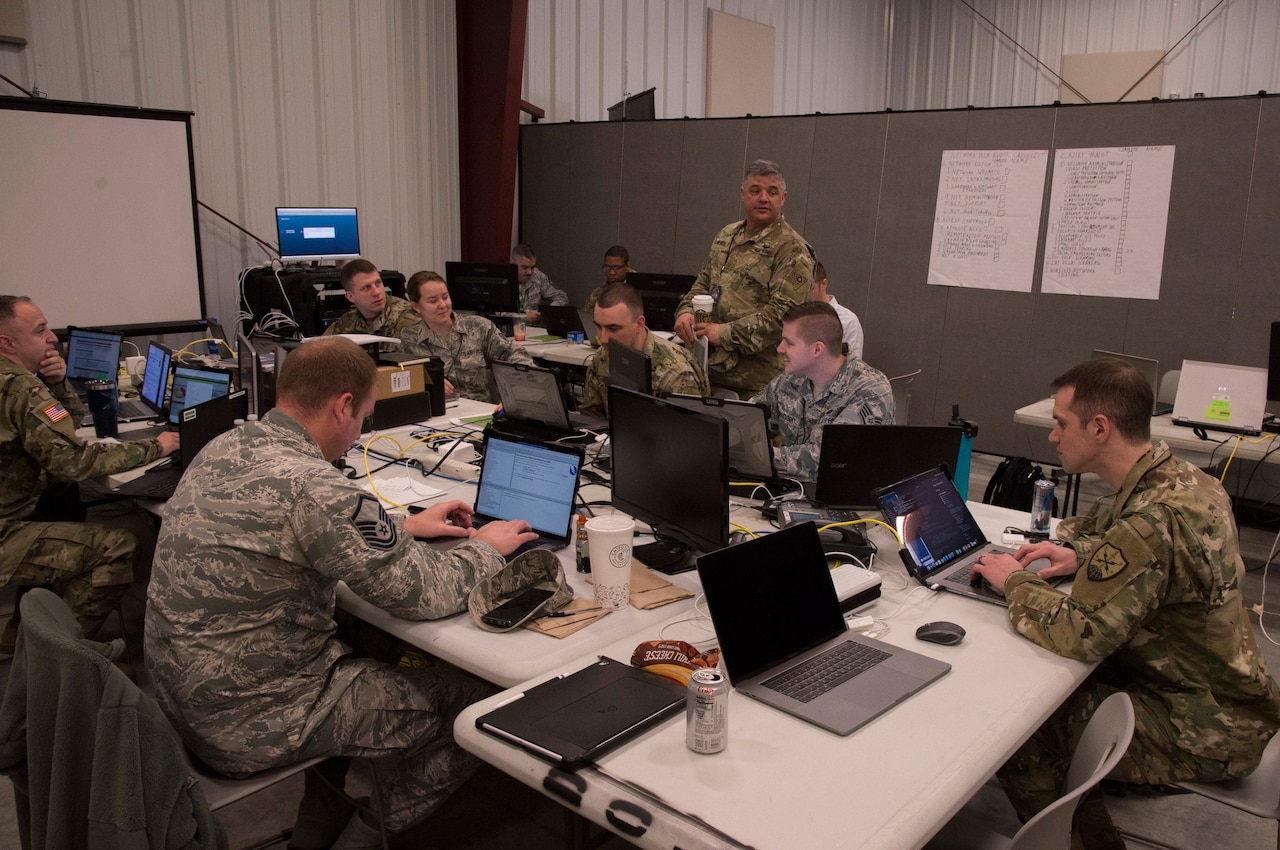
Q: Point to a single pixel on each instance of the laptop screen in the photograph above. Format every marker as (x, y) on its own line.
(856, 459)
(93, 355)
(750, 448)
(935, 524)
(629, 369)
(191, 386)
(770, 598)
(531, 481)
(530, 394)
(155, 379)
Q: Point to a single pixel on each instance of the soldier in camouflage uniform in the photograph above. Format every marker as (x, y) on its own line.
(617, 265)
(619, 316)
(90, 565)
(536, 288)
(757, 268)
(820, 386)
(373, 311)
(466, 344)
(1156, 602)
(239, 625)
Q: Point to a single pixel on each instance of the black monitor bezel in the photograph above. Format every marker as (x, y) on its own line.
(505, 275)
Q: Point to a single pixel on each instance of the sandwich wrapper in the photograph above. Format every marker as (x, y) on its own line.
(648, 590)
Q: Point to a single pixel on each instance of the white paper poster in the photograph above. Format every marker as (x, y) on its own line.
(987, 219)
(1108, 212)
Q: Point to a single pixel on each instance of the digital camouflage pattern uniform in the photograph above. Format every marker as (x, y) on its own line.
(1157, 602)
(859, 394)
(467, 350)
(90, 565)
(240, 631)
(541, 290)
(672, 366)
(754, 279)
(397, 314)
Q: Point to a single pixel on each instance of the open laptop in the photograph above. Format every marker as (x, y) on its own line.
(533, 406)
(200, 424)
(1146, 367)
(629, 369)
(1221, 397)
(155, 381)
(529, 480)
(92, 356)
(776, 615)
(559, 321)
(750, 449)
(857, 459)
(941, 539)
(190, 386)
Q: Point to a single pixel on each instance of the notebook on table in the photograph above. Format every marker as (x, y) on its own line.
(1221, 397)
(941, 539)
(200, 424)
(857, 459)
(784, 641)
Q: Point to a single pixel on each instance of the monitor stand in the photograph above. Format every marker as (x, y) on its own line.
(666, 556)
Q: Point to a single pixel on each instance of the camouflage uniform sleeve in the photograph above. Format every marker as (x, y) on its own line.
(790, 279)
(346, 534)
(674, 369)
(411, 340)
(343, 324)
(65, 393)
(400, 317)
(1119, 585)
(702, 286)
(541, 290)
(595, 389)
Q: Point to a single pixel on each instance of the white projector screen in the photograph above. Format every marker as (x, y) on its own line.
(97, 208)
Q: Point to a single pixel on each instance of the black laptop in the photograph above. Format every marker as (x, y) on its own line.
(197, 428)
(533, 405)
(750, 446)
(560, 321)
(629, 369)
(857, 459)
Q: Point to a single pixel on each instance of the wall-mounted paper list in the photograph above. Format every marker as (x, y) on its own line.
(987, 218)
(1107, 217)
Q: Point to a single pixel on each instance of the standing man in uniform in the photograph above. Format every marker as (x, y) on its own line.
(90, 566)
(536, 288)
(373, 311)
(848, 319)
(756, 270)
(820, 386)
(1156, 602)
(240, 635)
(619, 316)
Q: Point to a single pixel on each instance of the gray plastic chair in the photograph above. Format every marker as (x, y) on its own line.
(1258, 793)
(1101, 747)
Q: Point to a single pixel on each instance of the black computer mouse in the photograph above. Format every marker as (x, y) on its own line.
(941, 632)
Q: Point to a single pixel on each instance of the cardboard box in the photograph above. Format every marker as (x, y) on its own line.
(394, 382)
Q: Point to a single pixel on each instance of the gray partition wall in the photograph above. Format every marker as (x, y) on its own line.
(862, 189)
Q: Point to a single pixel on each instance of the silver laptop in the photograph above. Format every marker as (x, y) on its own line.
(940, 538)
(1221, 397)
(784, 641)
(1148, 368)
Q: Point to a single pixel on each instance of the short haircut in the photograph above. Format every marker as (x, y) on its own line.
(622, 293)
(619, 252)
(524, 252)
(764, 168)
(414, 286)
(9, 307)
(1114, 389)
(819, 271)
(353, 268)
(323, 369)
(816, 321)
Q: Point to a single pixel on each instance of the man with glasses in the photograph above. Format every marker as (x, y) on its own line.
(617, 265)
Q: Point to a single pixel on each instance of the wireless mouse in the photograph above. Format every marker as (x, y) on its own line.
(941, 632)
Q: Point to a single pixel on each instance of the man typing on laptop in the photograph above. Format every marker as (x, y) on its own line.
(1156, 601)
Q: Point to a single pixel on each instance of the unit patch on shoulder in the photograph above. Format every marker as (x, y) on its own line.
(55, 412)
(1107, 561)
(374, 525)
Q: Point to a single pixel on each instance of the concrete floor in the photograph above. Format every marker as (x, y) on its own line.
(493, 811)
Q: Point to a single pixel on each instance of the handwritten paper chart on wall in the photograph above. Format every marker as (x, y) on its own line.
(987, 219)
(1108, 212)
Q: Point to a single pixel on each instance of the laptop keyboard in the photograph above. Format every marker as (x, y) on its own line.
(813, 678)
(154, 485)
(134, 410)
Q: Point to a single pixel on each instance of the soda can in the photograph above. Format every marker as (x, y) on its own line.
(1042, 505)
(707, 712)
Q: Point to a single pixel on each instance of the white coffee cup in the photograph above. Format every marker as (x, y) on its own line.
(609, 544)
(702, 307)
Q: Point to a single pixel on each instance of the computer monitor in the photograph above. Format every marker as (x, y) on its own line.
(155, 378)
(483, 287)
(92, 355)
(671, 470)
(317, 233)
(629, 369)
(661, 294)
(638, 107)
(1273, 364)
(191, 386)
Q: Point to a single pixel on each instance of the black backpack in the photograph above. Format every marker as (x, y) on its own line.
(1014, 484)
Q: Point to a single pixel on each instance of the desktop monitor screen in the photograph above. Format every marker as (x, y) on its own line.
(661, 294)
(483, 287)
(317, 233)
(191, 386)
(155, 378)
(92, 355)
(671, 468)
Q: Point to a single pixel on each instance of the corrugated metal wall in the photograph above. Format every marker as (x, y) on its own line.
(323, 102)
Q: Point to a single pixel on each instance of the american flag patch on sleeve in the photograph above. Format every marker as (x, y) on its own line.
(56, 412)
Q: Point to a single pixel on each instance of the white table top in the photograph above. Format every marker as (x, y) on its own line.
(561, 351)
(784, 783)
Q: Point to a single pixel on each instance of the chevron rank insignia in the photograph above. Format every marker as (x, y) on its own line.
(1107, 561)
(374, 525)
